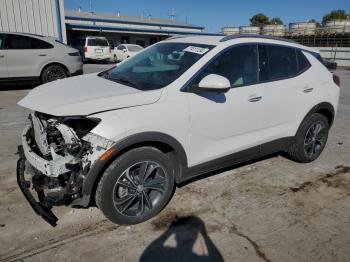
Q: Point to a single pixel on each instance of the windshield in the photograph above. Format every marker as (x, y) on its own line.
(97, 42)
(134, 48)
(157, 66)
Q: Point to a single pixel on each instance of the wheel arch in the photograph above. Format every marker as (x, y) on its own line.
(165, 143)
(326, 109)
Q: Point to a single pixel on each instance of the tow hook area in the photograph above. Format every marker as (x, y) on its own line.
(41, 208)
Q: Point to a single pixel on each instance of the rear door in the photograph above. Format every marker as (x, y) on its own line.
(25, 55)
(223, 124)
(284, 73)
(3, 57)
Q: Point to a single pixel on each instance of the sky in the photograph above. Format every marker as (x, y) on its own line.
(214, 14)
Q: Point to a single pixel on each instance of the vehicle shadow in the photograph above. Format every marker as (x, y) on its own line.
(186, 231)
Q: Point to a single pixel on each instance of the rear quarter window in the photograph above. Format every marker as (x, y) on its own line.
(303, 63)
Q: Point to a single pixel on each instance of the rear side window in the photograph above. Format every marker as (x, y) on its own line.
(39, 44)
(97, 42)
(282, 62)
(303, 63)
(25, 42)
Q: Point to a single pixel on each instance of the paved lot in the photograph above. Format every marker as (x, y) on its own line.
(270, 210)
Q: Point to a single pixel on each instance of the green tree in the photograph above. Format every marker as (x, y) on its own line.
(276, 21)
(335, 14)
(259, 20)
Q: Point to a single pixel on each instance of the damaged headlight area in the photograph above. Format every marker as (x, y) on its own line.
(55, 158)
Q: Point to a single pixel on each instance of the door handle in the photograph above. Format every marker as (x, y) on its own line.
(308, 89)
(255, 98)
(2, 56)
(42, 55)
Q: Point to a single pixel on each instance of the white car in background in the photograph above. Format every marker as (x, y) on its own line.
(26, 57)
(93, 48)
(124, 139)
(124, 51)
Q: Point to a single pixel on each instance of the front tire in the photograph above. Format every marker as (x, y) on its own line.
(53, 72)
(136, 186)
(310, 140)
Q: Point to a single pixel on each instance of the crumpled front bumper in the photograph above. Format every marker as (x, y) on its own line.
(39, 207)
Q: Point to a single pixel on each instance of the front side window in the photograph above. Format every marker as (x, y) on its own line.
(157, 66)
(121, 47)
(18, 42)
(97, 42)
(239, 65)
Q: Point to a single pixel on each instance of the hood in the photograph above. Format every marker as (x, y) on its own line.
(85, 95)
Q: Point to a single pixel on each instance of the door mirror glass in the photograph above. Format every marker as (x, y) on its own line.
(214, 83)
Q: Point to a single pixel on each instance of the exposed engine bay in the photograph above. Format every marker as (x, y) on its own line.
(57, 154)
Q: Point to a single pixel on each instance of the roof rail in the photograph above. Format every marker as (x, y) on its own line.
(237, 36)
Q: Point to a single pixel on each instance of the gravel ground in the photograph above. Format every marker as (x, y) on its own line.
(269, 210)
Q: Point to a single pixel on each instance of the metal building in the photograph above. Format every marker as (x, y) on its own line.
(49, 18)
(120, 28)
(42, 17)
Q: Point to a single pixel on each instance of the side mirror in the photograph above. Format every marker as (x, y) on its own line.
(124, 50)
(214, 83)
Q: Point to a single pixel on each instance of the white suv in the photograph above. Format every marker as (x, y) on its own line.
(93, 48)
(26, 57)
(124, 138)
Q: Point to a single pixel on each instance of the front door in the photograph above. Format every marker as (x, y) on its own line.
(223, 124)
(25, 55)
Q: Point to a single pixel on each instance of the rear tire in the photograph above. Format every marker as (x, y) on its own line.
(310, 140)
(53, 72)
(136, 186)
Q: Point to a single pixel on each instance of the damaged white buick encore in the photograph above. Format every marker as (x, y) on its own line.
(124, 139)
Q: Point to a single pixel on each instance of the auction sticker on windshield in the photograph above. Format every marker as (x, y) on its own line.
(196, 50)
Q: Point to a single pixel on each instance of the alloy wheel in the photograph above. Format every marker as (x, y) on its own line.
(315, 139)
(54, 74)
(139, 188)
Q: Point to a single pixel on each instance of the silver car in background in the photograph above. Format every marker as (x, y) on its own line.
(26, 57)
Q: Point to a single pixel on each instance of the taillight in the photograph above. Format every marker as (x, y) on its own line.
(336, 80)
(85, 49)
(110, 49)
